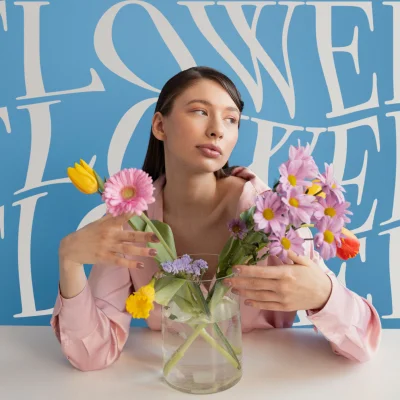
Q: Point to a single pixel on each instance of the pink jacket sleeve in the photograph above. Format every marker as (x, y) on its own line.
(349, 322)
(93, 326)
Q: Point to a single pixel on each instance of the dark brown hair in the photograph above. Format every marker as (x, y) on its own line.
(154, 163)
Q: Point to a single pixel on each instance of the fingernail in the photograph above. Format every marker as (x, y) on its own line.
(140, 265)
(235, 291)
(154, 238)
(236, 270)
(153, 252)
(247, 302)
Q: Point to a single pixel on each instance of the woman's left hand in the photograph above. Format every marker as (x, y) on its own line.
(288, 287)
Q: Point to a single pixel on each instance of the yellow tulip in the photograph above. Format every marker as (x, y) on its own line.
(314, 189)
(83, 177)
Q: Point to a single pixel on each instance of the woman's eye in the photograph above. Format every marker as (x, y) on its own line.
(202, 112)
(232, 120)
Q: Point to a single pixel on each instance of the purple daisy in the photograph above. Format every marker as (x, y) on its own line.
(327, 240)
(237, 228)
(301, 206)
(329, 184)
(281, 243)
(271, 213)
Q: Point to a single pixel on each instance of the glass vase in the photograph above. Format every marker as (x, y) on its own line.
(202, 335)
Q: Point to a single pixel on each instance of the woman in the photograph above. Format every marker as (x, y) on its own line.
(194, 130)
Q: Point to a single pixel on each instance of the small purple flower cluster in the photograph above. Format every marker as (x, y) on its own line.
(185, 266)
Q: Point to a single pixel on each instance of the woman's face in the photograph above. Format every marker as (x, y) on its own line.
(203, 116)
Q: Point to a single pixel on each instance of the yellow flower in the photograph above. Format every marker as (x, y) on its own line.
(140, 303)
(83, 177)
(315, 188)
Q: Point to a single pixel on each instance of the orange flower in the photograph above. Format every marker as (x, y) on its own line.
(350, 245)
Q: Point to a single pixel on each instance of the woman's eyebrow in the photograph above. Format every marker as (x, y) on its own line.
(207, 103)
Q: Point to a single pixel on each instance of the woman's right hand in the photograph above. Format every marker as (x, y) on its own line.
(105, 241)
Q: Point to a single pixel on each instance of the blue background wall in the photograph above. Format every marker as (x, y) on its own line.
(80, 79)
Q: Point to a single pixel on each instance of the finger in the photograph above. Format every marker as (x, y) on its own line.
(266, 272)
(132, 250)
(266, 305)
(120, 219)
(253, 283)
(135, 237)
(300, 260)
(257, 295)
(106, 216)
(120, 261)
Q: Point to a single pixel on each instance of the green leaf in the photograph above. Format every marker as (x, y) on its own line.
(255, 237)
(137, 223)
(166, 233)
(228, 254)
(219, 292)
(183, 304)
(227, 248)
(185, 292)
(162, 282)
(247, 217)
(166, 291)
(100, 181)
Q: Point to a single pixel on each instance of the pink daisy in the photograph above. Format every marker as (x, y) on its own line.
(329, 184)
(304, 154)
(128, 191)
(270, 214)
(293, 173)
(300, 206)
(330, 207)
(328, 239)
(281, 243)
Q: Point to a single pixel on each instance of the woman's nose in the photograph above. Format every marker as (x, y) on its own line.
(215, 131)
(216, 135)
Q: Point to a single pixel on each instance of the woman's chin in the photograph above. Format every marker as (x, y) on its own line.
(204, 166)
(211, 164)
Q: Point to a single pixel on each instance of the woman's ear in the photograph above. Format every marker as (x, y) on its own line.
(157, 126)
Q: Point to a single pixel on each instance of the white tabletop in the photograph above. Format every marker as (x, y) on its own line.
(282, 364)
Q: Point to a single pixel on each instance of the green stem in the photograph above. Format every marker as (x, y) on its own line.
(307, 226)
(210, 340)
(180, 352)
(215, 324)
(195, 289)
(157, 233)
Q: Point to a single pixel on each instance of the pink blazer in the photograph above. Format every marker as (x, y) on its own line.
(93, 326)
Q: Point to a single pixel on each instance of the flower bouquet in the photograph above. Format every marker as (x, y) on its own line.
(194, 309)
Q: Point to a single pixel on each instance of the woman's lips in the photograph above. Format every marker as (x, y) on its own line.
(210, 153)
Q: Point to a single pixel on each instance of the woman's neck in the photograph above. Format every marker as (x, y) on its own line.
(188, 195)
